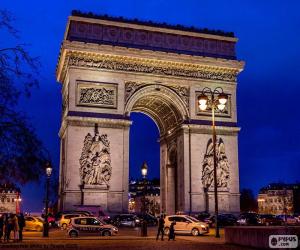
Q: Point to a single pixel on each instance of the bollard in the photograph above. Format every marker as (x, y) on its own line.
(144, 228)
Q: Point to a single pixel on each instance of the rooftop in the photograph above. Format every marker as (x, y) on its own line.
(153, 24)
(280, 186)
(6, 187)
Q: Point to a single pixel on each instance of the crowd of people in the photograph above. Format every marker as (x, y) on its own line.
(11, 227)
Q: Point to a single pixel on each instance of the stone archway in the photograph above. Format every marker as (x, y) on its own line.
(168, 111)
(110, 67)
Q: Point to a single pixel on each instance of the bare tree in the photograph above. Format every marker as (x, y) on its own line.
(22, 154)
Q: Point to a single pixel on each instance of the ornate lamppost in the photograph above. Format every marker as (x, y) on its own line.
(46, 224)
(144, 170)
(217, 101)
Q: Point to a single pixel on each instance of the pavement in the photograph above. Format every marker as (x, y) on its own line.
(127, 238)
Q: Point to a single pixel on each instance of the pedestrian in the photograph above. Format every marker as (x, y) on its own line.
(1, 226)
(161, 226)
(9, 226)
(172, 231)
(16, 227)
(21, 221)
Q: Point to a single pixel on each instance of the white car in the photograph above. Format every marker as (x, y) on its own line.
(186, 225)
(90, 226)
(66, 218)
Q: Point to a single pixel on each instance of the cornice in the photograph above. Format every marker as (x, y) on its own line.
(137, 61)
(205, 129)
(169, 30)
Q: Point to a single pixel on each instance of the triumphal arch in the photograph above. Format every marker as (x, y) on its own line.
(110, 67)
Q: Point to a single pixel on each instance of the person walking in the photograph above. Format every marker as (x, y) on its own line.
(9, 226)
(172, 231)
(161, 226)
(21, 221)
(1, 226)
(16, 227)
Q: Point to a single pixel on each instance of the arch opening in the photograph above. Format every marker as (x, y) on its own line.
(168, 112)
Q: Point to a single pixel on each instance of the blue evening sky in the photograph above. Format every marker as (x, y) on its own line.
(268, 88)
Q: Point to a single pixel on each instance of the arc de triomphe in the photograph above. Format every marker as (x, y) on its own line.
(111, 67)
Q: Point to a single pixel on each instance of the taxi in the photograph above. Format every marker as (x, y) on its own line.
(90, 226)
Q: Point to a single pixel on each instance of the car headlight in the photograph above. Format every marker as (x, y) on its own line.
(137, 220)
(115, 229)
(203, 226)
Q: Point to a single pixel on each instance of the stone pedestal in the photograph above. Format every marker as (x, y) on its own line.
(95, 195)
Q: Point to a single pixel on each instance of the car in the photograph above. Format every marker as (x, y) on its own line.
(288, 219)
(202, 216)
(186, 225)
(66, 218)
(247, 219)
(223, 220)
(33, 223)
(269, 219)
(130, 220)
(103, 216)
(90, 226)
(150, 219)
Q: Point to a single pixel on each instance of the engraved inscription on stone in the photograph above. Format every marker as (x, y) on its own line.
(97, 94)
(222, 165)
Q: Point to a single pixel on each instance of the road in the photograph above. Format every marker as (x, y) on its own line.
(127, 238)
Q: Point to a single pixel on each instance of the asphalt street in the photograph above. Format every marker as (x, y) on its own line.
(127, 238)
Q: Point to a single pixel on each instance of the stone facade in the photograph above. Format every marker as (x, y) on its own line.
(279, 199)
(103, 82)
(9, 199)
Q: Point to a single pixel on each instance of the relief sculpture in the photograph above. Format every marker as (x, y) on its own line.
(222, 166)
(95, 162)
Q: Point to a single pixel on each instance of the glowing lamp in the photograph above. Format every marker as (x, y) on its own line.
(222, 98)
(202, 99)
(144, 169)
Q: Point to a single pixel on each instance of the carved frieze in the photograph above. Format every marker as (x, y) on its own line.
(131, 87)
(223, 174)
(95, 161)
(97, 94)
(183, 92)
(143, 66)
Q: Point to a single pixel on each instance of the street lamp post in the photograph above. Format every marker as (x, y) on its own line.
(144, 170)
(217, 101)
(46, 224)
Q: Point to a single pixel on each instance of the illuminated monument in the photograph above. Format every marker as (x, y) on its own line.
(110, 67)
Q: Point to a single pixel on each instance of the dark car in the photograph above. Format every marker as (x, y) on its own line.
(247, 219)
(150, 219)
(202, 216)
(269, 219)
(129, 220)
(223, 220)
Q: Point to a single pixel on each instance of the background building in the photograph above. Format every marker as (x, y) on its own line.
(279, 198)
(148, 189)
(9, 198)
